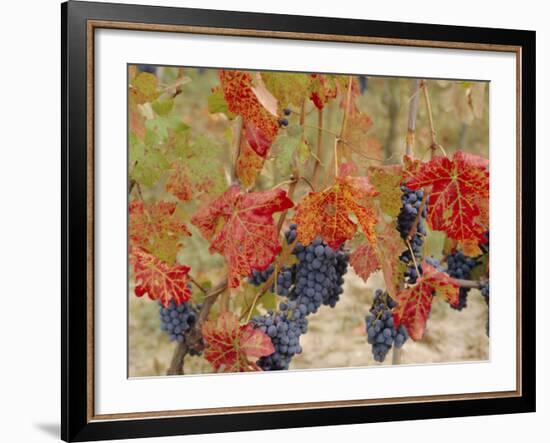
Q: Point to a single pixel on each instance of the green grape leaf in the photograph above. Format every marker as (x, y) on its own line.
(287, 88)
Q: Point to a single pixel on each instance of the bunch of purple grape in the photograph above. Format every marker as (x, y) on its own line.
(411, 205)
(381, 331)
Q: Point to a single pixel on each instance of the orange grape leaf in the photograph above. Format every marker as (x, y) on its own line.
(231, 347)
(156, 228)
(240, 226)
(159, 280)
(470, 248)
(415, 302)
(364, 260)
(387, 181)
(327, 213)
(457, 186)
(249, 164)
(241, 100)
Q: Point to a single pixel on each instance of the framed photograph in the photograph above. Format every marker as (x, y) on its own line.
(277, 221)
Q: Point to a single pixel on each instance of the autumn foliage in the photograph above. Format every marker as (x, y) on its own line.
(229, 184)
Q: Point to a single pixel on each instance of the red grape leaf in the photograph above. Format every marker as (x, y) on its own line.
(415, 302)
(257, 139)
(457, 186)
(159, 280)
(364, 260)
(240, 227)
(327, 213)
(230, 347)
(156, 228)
(241, 100)
(387, 181)
(322, 89)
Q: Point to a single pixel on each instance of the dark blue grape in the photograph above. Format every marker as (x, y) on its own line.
(316, 280)
(411, 202)
(284, 328)
(381, 331)
(460, 266)
(177, 320)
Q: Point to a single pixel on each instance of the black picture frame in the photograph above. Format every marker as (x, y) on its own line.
(77, 424)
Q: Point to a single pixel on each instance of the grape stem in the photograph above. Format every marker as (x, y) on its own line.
(265, 287)
(194, 336)
(414, 226)
(413, 257)
(197, 284)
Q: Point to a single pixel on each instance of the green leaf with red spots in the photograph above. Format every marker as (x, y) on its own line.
(389, 248)
(240, 226)
(241, 99)
(159, 280)
(415, 302)
(232, 347)
(156, 228)
(288, 88)
(387, 181)
(327, 213)
(458, 187)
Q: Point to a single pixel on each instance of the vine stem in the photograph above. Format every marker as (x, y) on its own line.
(197, 284)
(319, 148)
(194, 336)
(413, 108)
(434, 145)
(348, 144)
(290, 194)
(237, 148)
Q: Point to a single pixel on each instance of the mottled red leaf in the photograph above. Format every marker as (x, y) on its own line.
(178, 184)
(240, 227)
(231, 347)
(238, 90)
(322, 89)
(415, 302)
(156, 228)
(327, 213)
(364, 260)
(457, 187)
(389, 245)
(159, 280)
